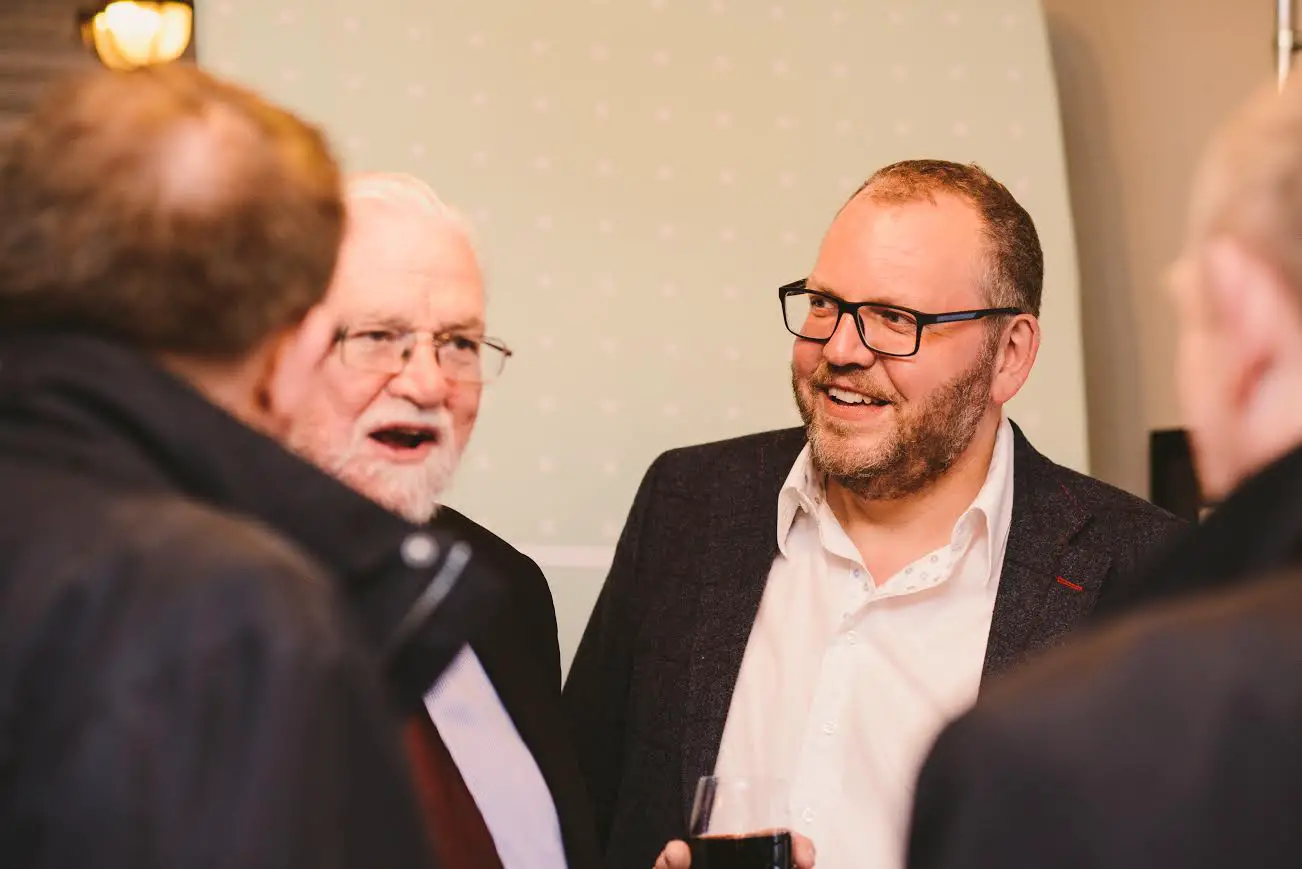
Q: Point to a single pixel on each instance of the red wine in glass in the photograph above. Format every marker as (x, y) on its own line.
(740, 823)
(769, 849)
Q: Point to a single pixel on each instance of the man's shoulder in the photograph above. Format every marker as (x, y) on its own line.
(1160, 669)
(1173, 707)
(692, 467)
(163, 572)
(151, 535)
(211, 539)
(1109, 505)
(516, 566)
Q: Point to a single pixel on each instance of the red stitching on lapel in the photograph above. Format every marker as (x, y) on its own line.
(1071, 585)
(1070, 496)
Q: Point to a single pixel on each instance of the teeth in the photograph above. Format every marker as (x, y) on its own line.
(846, 397)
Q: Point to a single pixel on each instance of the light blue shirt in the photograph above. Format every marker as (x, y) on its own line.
(497, 766)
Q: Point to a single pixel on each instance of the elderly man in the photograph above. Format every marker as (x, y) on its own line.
(812, 605)
(401, 396)
(1171, 737)
(193, 618)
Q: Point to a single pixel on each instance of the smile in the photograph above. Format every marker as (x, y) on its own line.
(846, 398)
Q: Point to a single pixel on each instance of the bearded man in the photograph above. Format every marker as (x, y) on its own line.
(812, 605)
(400, 395)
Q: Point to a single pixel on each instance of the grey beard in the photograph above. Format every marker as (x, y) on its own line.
(921, 450)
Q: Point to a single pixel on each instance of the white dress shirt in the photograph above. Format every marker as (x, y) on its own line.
(846, 683)
(496, 765)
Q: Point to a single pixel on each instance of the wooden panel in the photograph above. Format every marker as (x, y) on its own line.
(39, 43)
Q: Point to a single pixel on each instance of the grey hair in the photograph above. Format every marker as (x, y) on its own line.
(399, 188)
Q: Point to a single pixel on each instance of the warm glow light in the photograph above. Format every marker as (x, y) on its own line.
(131, 33)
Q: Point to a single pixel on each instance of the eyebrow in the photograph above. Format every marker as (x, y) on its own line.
(401, 324)
(811, 284)
(396, 324)
(471, 324)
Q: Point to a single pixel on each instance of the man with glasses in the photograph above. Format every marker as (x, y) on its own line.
(811, 606)
(401, 395)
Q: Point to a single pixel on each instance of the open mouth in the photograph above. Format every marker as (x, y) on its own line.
(405, 437)
(846, 398)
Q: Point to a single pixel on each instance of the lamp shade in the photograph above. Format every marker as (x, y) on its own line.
(131, 33)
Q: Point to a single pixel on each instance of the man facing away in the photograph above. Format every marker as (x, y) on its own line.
(812, 605)
(192, 620)
(400, 396)
(1170, 738)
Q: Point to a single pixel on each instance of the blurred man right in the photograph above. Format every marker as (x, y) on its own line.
(1172, 738)
(192, 620)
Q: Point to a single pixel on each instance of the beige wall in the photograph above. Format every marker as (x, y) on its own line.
(643, 175)
(1141, 83)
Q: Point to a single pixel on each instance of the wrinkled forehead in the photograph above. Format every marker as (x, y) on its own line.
(401, 262)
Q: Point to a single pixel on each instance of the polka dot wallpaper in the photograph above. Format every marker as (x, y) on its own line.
(643, 174)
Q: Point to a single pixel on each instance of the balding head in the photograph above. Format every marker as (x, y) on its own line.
(167, 210)
(1238, 293)
(1249, 183)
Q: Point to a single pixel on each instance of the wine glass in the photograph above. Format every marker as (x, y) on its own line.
(740, 823)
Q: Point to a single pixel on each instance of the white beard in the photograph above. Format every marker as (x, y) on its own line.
(410, 490)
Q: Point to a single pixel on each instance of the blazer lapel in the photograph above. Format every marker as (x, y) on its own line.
(742, 544)
(1048, 583)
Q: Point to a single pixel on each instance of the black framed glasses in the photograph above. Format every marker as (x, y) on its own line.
(888, 330)
(387, 351)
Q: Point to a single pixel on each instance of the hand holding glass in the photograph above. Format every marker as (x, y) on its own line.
(740, 823)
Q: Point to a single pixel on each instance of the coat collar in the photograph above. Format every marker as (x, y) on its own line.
(1256, 530)
(109, 414)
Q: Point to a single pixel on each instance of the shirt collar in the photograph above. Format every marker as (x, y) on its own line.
(991, 510)
(802, 490)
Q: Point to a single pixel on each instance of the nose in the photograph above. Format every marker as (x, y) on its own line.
(845, 347)
(422, 382)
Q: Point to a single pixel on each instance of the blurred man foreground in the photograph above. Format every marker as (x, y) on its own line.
(192, 621)
(1172, 737)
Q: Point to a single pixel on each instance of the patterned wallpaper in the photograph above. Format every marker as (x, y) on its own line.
(643, 175)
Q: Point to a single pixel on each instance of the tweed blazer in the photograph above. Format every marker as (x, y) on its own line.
(649, 690)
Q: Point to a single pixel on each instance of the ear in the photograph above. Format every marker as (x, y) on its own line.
(1251, 307)
(1019, 344)
(294, 367)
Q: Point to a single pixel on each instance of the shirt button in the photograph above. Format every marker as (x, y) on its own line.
(808, 815)
(852, 638)
(857, 573)
(829, 728)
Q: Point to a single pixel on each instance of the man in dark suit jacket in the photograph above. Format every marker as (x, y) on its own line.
(402, 389)
(1171, 738)
(812, 605)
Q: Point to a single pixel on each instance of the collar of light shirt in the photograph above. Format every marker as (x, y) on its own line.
(805, 490)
